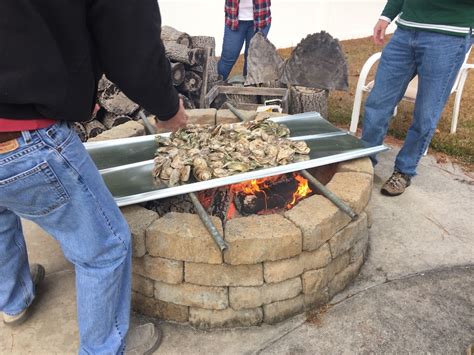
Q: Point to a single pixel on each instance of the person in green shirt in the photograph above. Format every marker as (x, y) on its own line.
(431, 41)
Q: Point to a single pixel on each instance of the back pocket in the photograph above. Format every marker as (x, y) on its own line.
(35, 192)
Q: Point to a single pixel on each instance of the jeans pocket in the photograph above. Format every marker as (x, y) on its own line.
(34, 192)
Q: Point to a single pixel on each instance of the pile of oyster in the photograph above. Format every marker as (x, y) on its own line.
(227, 149)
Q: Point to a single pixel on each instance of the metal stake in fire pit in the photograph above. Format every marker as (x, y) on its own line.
(318, 185)
(221, 243)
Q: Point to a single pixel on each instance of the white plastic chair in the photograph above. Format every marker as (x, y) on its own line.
(410, 94)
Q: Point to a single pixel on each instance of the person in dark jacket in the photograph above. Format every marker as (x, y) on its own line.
(52, 54)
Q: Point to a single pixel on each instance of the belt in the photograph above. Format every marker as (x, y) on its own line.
(8, 136)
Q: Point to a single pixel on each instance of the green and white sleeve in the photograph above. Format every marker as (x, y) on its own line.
(392, 9)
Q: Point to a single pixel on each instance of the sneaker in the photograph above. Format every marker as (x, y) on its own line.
(396, 185)
(143, 339)
(37, 275)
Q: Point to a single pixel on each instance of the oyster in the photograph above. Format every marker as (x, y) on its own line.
(223, 150)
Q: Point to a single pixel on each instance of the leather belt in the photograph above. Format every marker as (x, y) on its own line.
(8, 136)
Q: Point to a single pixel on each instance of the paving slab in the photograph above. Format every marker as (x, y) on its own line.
(430, 226)
(426, 313)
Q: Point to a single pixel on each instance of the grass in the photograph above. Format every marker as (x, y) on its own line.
(459, 145)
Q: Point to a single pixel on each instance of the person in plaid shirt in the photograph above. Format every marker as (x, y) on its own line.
(243, 18)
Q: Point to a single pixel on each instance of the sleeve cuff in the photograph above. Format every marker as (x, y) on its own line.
(385, 18)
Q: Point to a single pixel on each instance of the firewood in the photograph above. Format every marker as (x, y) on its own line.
(177, 52)
(80, 130)
(204, 42)
(111, 120)
(113, 100)
(177, 73)
(276, 196)
(187, 102)
(192, 83)
(170, 34)
(303, 99)
(94, 128)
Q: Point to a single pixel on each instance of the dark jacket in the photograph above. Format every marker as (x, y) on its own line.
(53, 52)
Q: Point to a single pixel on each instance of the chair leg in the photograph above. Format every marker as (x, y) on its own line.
(457, 101)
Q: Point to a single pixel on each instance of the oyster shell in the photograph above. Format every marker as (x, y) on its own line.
(223, 150)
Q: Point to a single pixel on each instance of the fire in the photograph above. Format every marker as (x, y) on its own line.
(302, 191)
(263, 185)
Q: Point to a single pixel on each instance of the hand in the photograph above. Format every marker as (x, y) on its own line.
(174, 123)
(379, 32)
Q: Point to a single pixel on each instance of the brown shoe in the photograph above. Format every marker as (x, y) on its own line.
(37, 275)
(396, 185)
(143, 339)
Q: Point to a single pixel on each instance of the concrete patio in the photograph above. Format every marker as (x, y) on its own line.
(415, 293)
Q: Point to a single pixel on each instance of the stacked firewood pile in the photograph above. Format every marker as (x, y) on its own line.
(193, 63)
(193, 71)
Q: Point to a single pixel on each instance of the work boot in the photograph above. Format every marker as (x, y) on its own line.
(143, 339)
(37, 275)
(396, 184)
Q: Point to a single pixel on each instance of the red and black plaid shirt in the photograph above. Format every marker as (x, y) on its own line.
(262, 15)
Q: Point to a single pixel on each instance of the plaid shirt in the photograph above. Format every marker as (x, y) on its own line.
(261, 13)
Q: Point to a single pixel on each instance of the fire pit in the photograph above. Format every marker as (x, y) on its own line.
(279, 263)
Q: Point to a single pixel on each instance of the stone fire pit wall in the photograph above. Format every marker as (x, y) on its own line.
(276, 266)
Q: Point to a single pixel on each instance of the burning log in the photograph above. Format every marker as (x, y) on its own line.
(192, 83)
(80, 130)
(94, 128)
(170, 34)
(177, 73)
(275, 195)
(111, 120)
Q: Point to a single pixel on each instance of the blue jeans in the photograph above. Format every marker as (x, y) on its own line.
(233, 42)
(51, 180)
(436, 58)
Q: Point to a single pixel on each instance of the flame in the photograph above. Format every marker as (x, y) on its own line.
(261, 185)
(301, 192)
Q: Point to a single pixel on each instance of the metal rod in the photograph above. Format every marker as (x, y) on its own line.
(221, 243)
(197, 205)
(236, 112)
(329, 195)
(148, 126)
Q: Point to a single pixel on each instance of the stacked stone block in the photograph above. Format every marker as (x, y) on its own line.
(276, 265)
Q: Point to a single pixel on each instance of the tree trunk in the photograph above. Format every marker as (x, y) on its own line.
(94, 128)
(111, 120)
(192, 83)
(170, 34)
(177, 73)
(303, 99)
